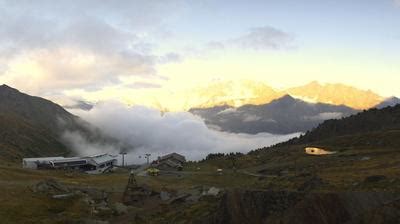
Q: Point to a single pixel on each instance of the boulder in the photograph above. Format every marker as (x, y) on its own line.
(374, 178)
(165, 196)
(120, 209)
(213, 191)
(51, 187)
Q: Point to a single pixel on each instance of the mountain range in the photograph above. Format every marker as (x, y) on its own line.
(298, 109)
(337, 94)
(33, 126)
(238, 93)
(243, 106)
(243, 92)
(281, 116)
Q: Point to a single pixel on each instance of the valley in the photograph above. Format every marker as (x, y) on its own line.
(359, 182)
(271, 176)
(199, 112)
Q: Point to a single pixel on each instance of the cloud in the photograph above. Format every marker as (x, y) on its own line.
(144, 85)
(83, 147)
(86, 44)
(228, 111)
(325, 116)
(66, 68)
(396, 2)
(251, 118)
(170, 57)
(215, 45)
(149, 131)
(264, 38)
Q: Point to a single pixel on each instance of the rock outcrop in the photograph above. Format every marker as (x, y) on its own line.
(252, 207)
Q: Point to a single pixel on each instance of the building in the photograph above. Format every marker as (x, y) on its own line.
(90, 164)
(37, 163)
(317, 151)
(173, 161)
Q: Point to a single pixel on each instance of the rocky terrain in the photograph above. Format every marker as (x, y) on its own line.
(246, 207)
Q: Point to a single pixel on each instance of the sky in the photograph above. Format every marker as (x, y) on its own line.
(129, 49)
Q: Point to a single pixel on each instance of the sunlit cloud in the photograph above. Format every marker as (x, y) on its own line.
(51, 48)
(137, 50)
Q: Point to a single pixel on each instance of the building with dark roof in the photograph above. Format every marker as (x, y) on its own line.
(173, 161)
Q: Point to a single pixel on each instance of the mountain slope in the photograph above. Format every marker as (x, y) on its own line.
(32, 126)
(80, 104)
(282, 116)
(35, 110)
(19, 138)
(371, 122)
(392, 101)
(337, 94)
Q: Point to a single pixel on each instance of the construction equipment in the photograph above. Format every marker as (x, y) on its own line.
(153, 171)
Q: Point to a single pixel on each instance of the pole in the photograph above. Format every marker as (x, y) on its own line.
(148, 158)
(123, 158)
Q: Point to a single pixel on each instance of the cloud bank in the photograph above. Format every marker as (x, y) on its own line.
(149, 131)
(81, 44)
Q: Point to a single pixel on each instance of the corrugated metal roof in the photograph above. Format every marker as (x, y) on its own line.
(96, 159)
(174, 155)
(103, 158)
(70, 159)
(169, 163)
(42, 159)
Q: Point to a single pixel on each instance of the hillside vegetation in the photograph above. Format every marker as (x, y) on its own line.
(384, 124)
(33, 127)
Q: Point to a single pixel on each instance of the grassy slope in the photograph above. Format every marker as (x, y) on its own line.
(19, 138)
(18, 204)
(344, 171)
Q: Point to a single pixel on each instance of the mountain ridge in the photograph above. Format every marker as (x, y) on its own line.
(338, 94)
(237, 93)
(33, 126)
(281, 116)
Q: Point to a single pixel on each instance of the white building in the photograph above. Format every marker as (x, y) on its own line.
(317, 151)
(91, 164)
(34, 163)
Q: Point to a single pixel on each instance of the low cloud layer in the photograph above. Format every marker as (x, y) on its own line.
(325, 116)
(149, 131)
